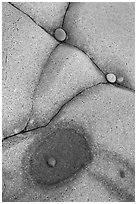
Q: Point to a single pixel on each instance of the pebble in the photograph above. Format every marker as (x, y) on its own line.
(111, 77)
(51, 162)
(60, 34)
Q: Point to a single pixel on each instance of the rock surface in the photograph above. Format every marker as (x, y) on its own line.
(48, 84)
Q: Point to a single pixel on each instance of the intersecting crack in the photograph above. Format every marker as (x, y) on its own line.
(59, 43)
(35, 21)
(92, 60)
(105, 182)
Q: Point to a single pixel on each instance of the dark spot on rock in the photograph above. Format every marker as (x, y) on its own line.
(122, 174)
(65, 150)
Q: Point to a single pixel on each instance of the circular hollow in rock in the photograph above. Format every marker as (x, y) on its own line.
(59, 156)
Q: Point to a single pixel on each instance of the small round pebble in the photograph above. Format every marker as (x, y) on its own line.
(60, 34)
(120, 79)
(111, 78)
(51, 162)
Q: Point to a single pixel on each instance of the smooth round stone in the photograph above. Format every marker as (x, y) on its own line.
(111, 78)
(60, 34)
(51, 162)
(120, 79)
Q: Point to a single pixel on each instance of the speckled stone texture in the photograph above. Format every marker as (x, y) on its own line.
(50, 84)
